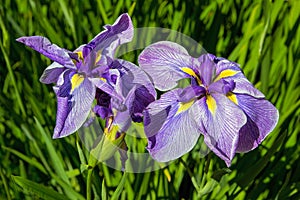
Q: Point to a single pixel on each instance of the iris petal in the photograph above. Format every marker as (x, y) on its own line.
(106, 87)
(166, 62)
(231, 72)
(171, 134)
(243, 86)
(223, 64)
(113, 36)
(52, 73)
(207, 68)
(52, 51)
(73, 109)
(262, 119)
(221, 127)
(131, 76)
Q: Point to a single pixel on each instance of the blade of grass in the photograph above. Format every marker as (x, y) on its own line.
(120, 187)
(13, 80)
(58, 166)
(103, 12)
(30, 161)
(33, 188)
(103, 191)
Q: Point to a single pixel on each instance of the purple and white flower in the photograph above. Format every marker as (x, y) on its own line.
(220, 103)
(88, 70)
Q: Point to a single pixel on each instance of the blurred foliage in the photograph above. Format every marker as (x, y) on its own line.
(262, 36)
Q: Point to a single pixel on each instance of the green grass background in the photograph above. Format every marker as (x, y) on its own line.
(262, 36)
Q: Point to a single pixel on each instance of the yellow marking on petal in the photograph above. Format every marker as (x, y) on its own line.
(76, 80)
(211, 104)
(184, 106)
(226, 73)
(99, 55)
(192, 73)
(232, 97)
(80, 55)
(189, 71)
(103, 79)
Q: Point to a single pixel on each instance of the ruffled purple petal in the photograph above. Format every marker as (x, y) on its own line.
(243, 86)
(220, 121)
(170, 133)
(114, 35)
(131, 76)
(164, 61)
(52, 73)
(262, 119)
(191, 92)
(103, 107)
(102, 111)
(237, 84)
(137, 100)
(223, 86)
(74, 104)
(231, 73)
(224, 64)
(52, 51)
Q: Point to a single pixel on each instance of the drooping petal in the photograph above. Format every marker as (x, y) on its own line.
(170, 127)
(166, 62)
(52, 73)
(114, 35)
(262, 119)
(75, 97)
(220, 121)
(45, 47)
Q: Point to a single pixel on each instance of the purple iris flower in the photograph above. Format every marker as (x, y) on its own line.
(220, 103)
(87, 73)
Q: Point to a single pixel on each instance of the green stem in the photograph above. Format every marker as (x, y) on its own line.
(89, 184)
(205, 171)
(186, 167)
(193, 179)
(5, 185)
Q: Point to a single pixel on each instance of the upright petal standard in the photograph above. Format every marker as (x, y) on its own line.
(220, 103)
